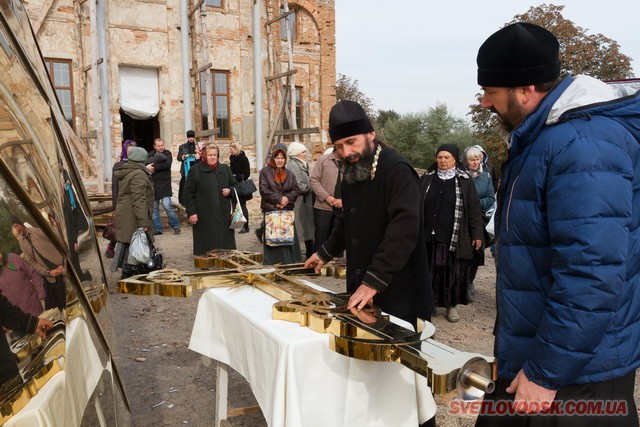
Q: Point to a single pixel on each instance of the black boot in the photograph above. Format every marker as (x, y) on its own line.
(244, 229)
(259, 234)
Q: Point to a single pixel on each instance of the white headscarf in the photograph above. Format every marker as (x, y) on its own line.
(295, 148)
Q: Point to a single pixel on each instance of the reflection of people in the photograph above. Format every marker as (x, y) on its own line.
(159, 164)
(380, 227)
(207, 199)
(326, 181)
(75, 223)
(241, 170)
(186, 151)
(297, 153)
(568, 225)
(20, 283)
(11, 317)
(43, 256)
(127, 146)
(135, 201)
(279, 191)
(453, 228)
(473, 159)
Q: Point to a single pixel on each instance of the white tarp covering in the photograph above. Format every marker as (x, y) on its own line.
(139, 92)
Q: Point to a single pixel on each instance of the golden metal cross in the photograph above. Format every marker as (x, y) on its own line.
(361, 334)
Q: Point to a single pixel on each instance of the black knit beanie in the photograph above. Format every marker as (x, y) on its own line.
(519, 54)
(348, 118)
(450, 148)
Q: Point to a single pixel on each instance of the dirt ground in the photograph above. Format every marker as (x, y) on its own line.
(167, 384)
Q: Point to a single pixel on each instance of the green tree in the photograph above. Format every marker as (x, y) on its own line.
(417, 136)
(580, 53)
(348, 89)
(384, 117)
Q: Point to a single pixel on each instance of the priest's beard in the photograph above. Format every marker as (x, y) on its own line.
(360, 170)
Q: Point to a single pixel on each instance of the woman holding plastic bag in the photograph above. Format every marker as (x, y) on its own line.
(207, 198)
(279, 191)
(135, 204)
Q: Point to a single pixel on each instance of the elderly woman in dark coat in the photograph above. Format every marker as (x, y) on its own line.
(279, 191)
(453, 227)
(207, 198)
(135, 201)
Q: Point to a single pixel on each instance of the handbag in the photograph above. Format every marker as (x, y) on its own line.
(237, 217)
(279, 228)
(109, 231)
(156, 263)
(246, 188)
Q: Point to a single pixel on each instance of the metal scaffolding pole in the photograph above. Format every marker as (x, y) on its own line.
(103, 53)
(257, 81)
(186, 76)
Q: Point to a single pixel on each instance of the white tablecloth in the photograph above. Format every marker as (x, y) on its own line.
(62, 400)
(296, 378)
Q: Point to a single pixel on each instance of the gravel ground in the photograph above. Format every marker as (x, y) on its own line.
(167, 384)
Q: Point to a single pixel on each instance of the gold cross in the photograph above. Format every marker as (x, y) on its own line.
(361, 334)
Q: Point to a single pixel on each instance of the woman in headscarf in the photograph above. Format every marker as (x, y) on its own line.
(207, 199)
(473, 160)
(303, 209)
(127, 146)
(241, 171)
(279, 191)
(453, 228)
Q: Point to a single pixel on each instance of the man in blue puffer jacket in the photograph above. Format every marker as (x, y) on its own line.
(568, 219)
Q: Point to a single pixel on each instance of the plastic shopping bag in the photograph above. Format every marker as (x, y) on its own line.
(140, 251)
(237, 217)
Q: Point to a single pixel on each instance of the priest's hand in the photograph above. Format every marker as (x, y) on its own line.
(43, 326)
(362, 297)
(193, 219)
(314, 262)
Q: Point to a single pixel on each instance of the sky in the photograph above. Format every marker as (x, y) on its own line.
(411, 55)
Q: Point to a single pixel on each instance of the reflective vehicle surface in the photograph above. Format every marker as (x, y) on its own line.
(48, 243)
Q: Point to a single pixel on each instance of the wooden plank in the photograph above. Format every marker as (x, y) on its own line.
(208, 132)
(284, 15)
(42, 15)
(196, 7)
(303, 131)
(235, 412)
(92, 134)
(202, 68)
(280, 75)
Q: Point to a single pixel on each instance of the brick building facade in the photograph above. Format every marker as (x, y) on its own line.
(144, 70)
